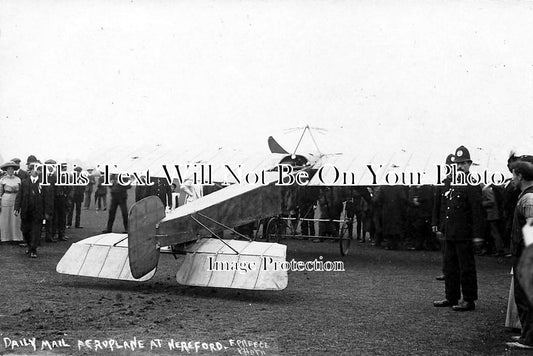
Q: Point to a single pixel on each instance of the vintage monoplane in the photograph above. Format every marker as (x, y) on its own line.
(196, 228)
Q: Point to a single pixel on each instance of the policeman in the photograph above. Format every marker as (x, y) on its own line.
(438, 221)
(463, 223)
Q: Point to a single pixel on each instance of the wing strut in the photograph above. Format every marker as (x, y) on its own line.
(213, 233)
(224, 226)
(306, 128)
(120, 241)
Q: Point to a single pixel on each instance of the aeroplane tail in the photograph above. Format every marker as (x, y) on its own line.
(131, 257)
(143, 248)
(275, 147)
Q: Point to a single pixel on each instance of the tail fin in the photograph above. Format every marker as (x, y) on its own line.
(275, 147)
(143, 250)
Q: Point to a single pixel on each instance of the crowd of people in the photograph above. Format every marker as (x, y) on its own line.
(459, 219)
(406, 217)
(30, 208)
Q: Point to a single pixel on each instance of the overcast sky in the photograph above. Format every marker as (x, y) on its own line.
(77, 77)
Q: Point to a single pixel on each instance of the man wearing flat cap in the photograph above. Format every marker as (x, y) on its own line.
(462, 225)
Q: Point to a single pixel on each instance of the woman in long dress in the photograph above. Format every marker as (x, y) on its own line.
(9, 187)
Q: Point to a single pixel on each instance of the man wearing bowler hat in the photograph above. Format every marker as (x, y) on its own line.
(462, 224)
(33, 204)
(22, 174)
(24, 225)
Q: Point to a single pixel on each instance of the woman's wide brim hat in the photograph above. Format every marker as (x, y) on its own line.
(8, 164)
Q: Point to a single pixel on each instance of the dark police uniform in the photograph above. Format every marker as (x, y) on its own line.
(463, 222)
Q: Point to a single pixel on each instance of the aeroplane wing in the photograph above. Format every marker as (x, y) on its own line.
(208, 262)
(234, 205)
(234, 264)
(101, 256)
(154, 158)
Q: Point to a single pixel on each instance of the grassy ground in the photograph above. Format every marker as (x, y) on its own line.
(380, 305)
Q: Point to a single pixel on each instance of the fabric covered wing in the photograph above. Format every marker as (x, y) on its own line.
(101, 256)
(232, 206)
(234, 264)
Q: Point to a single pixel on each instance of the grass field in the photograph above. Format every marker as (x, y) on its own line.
(380, 305)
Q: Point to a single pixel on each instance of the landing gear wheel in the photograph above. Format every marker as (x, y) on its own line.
(273, 230)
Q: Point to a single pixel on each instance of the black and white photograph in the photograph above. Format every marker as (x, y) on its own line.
(262, 177)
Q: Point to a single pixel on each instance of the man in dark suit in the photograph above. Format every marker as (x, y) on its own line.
(119, 197)
(49, 190)
(420, 210)
(30, 161)
(307, 198)
(141, 192)
(522, 219)
(393, 200)
(89, 189)
(463, 223)
(438, 220)
(61, 194)
(162, 189)
(33, 204)
(76, 196)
